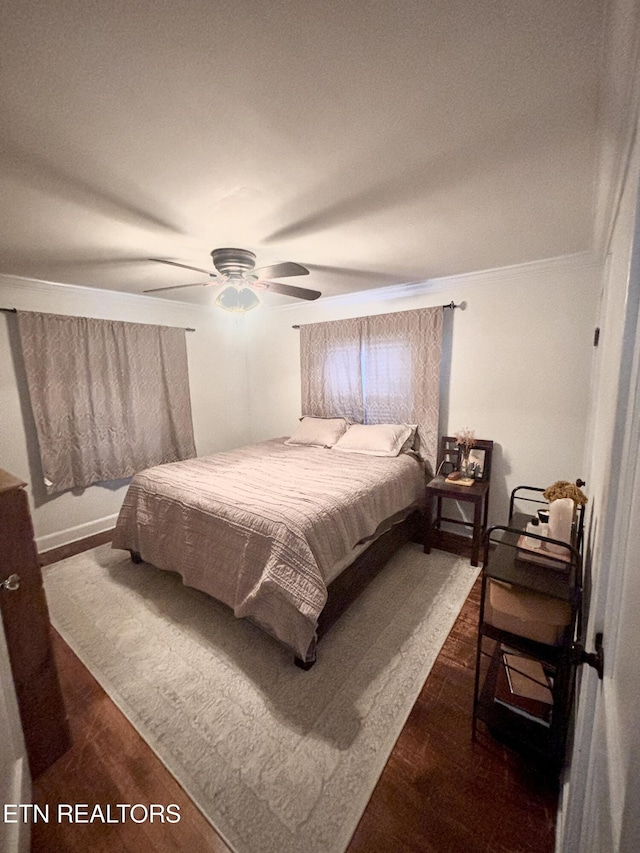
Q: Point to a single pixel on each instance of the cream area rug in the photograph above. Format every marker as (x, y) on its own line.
(279, 760)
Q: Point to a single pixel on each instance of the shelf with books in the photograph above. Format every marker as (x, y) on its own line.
(520, 722)
(524, 686)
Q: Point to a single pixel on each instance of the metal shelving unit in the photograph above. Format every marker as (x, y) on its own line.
(537, 727)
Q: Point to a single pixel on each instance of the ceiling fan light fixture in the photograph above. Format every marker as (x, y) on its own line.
(235, 268)
(238, 300)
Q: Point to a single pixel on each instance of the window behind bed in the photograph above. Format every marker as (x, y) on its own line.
(380, 369)
(387, 378)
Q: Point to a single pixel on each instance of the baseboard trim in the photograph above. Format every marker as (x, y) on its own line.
(75, 534)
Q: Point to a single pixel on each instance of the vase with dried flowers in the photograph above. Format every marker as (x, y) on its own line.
(465, 439)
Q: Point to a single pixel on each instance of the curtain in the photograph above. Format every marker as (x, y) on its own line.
(331, 370)
(379, 369)
(108, 398)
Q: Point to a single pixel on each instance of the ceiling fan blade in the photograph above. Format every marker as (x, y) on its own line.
(184, 266)
(290, 290)
(280, 270)
(178, 286)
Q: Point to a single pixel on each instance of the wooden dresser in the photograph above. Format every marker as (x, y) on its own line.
(26, 624)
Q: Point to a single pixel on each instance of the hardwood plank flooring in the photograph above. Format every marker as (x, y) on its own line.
(110, 763)
(439, 793)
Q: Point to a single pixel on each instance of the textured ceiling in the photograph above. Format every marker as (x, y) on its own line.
(377, 143)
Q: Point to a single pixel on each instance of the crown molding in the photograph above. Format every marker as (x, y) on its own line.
(514, 272)
(114, 297)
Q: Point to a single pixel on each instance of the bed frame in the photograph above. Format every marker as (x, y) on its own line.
(345, 589)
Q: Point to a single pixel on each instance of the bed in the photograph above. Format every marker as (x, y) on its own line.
(269, 528)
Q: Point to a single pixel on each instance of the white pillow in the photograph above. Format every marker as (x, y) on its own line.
(319, 432)
(377, 439)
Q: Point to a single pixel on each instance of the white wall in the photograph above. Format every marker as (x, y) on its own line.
(516, 364)
(217, 379)
(515, 369)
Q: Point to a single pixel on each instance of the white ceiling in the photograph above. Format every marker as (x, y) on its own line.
(375, 142)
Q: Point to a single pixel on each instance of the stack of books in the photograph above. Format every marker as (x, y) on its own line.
(524, 687)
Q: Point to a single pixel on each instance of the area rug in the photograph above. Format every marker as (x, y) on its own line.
(279, 760)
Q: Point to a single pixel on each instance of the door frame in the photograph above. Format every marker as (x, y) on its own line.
(593, 763)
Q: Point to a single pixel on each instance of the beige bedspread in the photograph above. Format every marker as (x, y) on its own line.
(260, 528)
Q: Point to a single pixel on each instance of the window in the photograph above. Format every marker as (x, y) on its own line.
(108, 398)
(379, 369)
(386, 379)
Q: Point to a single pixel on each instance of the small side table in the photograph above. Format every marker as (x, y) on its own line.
(477, 494)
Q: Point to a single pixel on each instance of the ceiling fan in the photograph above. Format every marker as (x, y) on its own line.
(236, 269)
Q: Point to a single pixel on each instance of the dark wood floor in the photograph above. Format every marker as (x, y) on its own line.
(439, 791)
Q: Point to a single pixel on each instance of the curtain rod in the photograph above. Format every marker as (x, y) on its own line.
(450, 305)
(15, 311)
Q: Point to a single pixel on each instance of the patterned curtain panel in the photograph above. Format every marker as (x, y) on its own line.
(401, 358)
(331, 370)
(379, 369)
(108, 398)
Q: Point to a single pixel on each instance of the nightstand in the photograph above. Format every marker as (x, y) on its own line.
(439, 489)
